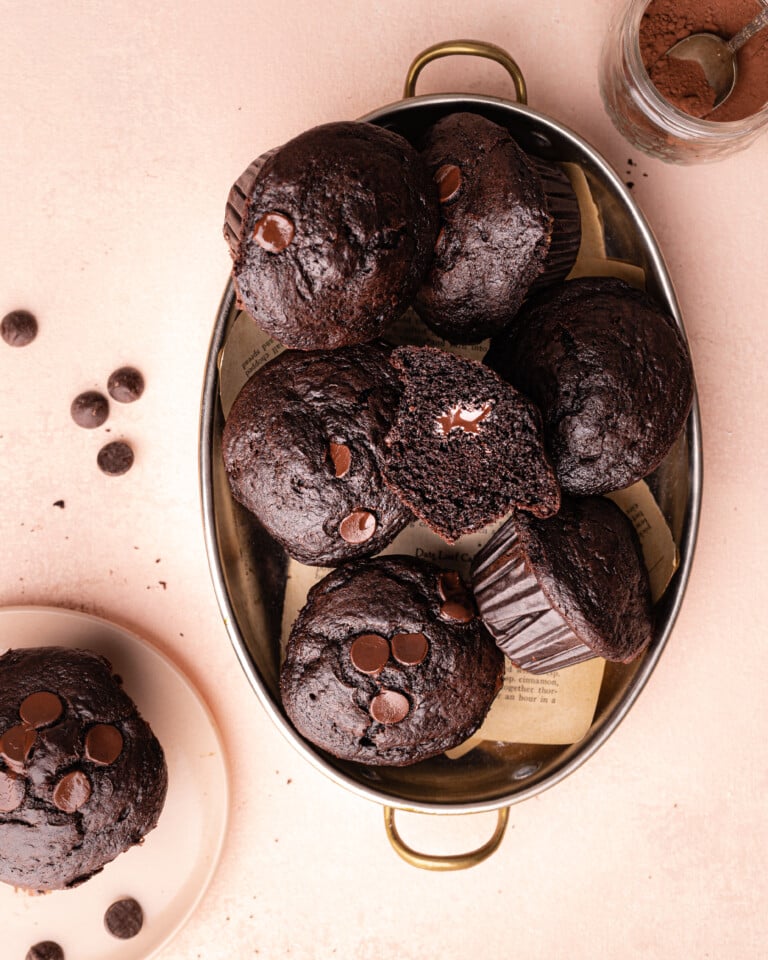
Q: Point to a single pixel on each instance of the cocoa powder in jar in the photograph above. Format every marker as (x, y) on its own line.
(683, 83)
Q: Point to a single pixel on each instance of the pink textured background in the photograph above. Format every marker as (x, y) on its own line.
(123, 125)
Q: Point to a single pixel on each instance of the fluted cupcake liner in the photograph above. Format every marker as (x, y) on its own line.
(563, 207)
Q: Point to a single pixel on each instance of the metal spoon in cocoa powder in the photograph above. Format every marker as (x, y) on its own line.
(716, 56)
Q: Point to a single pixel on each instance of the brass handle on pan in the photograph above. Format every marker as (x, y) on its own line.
(472, 48)
(454, 861)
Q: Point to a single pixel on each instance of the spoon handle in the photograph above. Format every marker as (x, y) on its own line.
(746, 33)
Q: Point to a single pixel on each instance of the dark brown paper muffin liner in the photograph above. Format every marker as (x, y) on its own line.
(563, 207)
(518, 614)
(237, 201)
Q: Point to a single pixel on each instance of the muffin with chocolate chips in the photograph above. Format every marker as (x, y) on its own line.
(302, 448)
(82, 776)
(388, 664)
(331, 234)
(505, 219)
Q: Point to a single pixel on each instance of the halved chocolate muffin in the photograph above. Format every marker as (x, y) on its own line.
(464, 447)
(302, 448)
(82, 776)
(388, 664)
(609, 371)
(331, 234)
(556, 592)
(498, 211)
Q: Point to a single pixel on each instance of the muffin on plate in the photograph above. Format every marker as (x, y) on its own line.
(609, 371)
(331, 234)
(388, 664)
(556, 592)
(302, 448)
(506, 220)
(464, 447)
(82, 776)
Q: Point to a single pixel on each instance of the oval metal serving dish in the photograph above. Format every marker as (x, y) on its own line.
(248, 569)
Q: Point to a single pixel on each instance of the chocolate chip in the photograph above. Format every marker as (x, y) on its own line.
(11, 791)
(41, 709)
(341, 458)
(389, 706)
(458, 603)
(125, 384)
(45, 950)
(72, 791)
(18, 328)
(103, 743)
(115, 458)
(448, 180)
(369, 653)
(467, 419)
(358, 526)
(89, 409)
(273, 232)
(409, 649)
(124, 918)
(15, 746)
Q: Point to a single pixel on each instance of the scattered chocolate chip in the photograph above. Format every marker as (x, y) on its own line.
(125, 384)
(448, 180)
(273, 232)
(18, 328)
(45, 950)
(103, 743)
(369, 653)
(41, 709)
(466, 419)
(58, 503)
(89, 409)
(409, 649)
(452, 610)
(124, 918)
(358, 526)
(340, 457)
(115, 458)
(72, 791)
(15, 746)
(11, 791)
(389, 706)
(458, 603)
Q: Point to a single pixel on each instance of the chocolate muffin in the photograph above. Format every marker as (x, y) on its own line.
(387, 663)
(465, 447)
(331, 234)
(611, 374)
(556, 592)
(82, 776)
(302, 448)
(496, 227)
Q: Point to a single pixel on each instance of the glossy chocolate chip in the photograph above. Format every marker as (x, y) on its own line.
(45, 950)
(409, 649)
(72, 791)
(41, 709)
(453, 610)
(273, 232)
(11, 791)
(389, 706)
(16, 744)
(125, 384)
(115, 458)
(467, 419)
(340, 457)
(369, 653)
(103, 744)
(89, 409)
(18, 328)
(457, 603)
(448, 180)
(124, 918)
(358, 526)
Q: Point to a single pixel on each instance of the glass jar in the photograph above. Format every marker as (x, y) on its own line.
(649, 121)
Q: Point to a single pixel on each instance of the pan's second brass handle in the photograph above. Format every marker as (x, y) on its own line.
(472, 48)
(453, 861)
